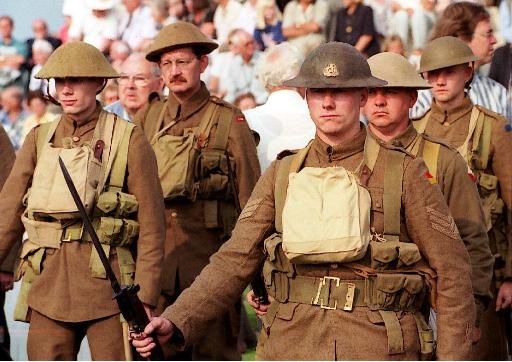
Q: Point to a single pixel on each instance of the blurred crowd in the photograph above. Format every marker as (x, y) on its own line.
(123, 29)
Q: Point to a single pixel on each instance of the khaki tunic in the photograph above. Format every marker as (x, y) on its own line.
(189, 244)
(65, 290)
(303, 331)
(453, 126)
(461, 195)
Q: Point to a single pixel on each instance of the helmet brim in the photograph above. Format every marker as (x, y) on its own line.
(153, 55)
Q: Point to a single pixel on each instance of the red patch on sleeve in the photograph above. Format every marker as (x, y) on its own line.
(428, 175)
(240, 119)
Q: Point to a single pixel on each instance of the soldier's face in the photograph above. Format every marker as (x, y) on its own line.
(335, 112)
(387, 109)
(77, 96)
(448, 83)
(181, 71)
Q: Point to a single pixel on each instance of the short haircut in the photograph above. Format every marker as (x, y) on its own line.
(8, 18)
(459, 19)
(137, 56)
(278, 64)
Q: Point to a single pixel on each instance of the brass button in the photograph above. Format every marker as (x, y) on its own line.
(377, 204)
(76, 138)
(397, 143)
(446, 124)
(174, 214)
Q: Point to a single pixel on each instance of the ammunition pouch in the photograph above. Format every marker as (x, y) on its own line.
(393, 254)
(211, 175)
(119, 204)
(395, 292)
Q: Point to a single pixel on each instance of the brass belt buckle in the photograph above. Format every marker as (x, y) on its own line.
(68, 238)
(320, 286)
(349, 297)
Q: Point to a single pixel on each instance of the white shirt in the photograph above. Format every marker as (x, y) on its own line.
(137, 26)
(224, 19)
(93, 30)
(484, 92)
(247, 18)
(283, 122)
(242, 78)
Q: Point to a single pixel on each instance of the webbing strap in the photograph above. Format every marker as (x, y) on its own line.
(223, 128)
(210, 214)
(421, 124)
(392, 198)
(394, 332)
(475, 127)
(426, 336)
(160, 121)
(482, 143)
(45, 130)
(120, 159)
(286, 166)
(371, 152)
(95, 264)
(205, 125)
(430, 156)
(126, 264)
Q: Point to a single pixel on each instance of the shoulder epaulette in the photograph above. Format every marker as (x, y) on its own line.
(437, 140)
(489, 113)
(222, 102)
(285, 153)
(396, 148)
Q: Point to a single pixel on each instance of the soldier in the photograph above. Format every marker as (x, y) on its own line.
(485, 142)
(65, 294)
(203, 146)
(387, 111)
(318, 219)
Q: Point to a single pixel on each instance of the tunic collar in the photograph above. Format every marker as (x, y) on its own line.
(179, 111)
(72, 127)
(452, 115)
(342, 151)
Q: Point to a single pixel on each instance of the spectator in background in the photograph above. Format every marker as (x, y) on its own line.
(247, 17)
(269, 24)
(177, 11)
(501, 66)
(40, 30)
(110, 94)
(304, 23)
(283, 122)
(98, 27)
(13, 53)
(12, 114)
(381, 15)
(221, 65)
(418, 15)
(394, 44)
(200, 13)
(38, 107)
(138, 79)
(471, 23)
(354, 25)
(137, 27)
(160, 13)
(226, 14)
(506, 19)
(41, 50)
(245, 101)
(118, 53)
(64, 29)
(241, 77)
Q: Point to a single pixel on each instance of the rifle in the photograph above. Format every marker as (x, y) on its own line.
(126, 297)
(257, 283)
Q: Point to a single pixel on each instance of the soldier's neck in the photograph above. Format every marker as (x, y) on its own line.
(390, 132)
(450, 104)
(339, 138)
(182, 97)
(83, 117)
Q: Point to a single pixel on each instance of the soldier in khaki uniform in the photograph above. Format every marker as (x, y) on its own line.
(485, 142)
(65, 294)
(351, 235)
(387, 111)
(194, 135)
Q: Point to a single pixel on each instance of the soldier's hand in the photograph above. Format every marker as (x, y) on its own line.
(6, 281)
(504, 299)
(160, 327)
(259, 309)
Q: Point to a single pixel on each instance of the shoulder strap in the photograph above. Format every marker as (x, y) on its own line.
(160, 120)
(287, 165)
(371, 152)
(421, 123)
(430, 156)
(118, 171)
(223, 127)
(482, 142)
(45, 133)
(475, 128)
(392, 198)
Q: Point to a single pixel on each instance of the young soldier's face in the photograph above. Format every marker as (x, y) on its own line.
(77, 96)
(387, 109)
(335, 111)
(448, 83)
(181, 70)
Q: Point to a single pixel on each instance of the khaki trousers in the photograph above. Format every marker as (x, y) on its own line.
(49, 339)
